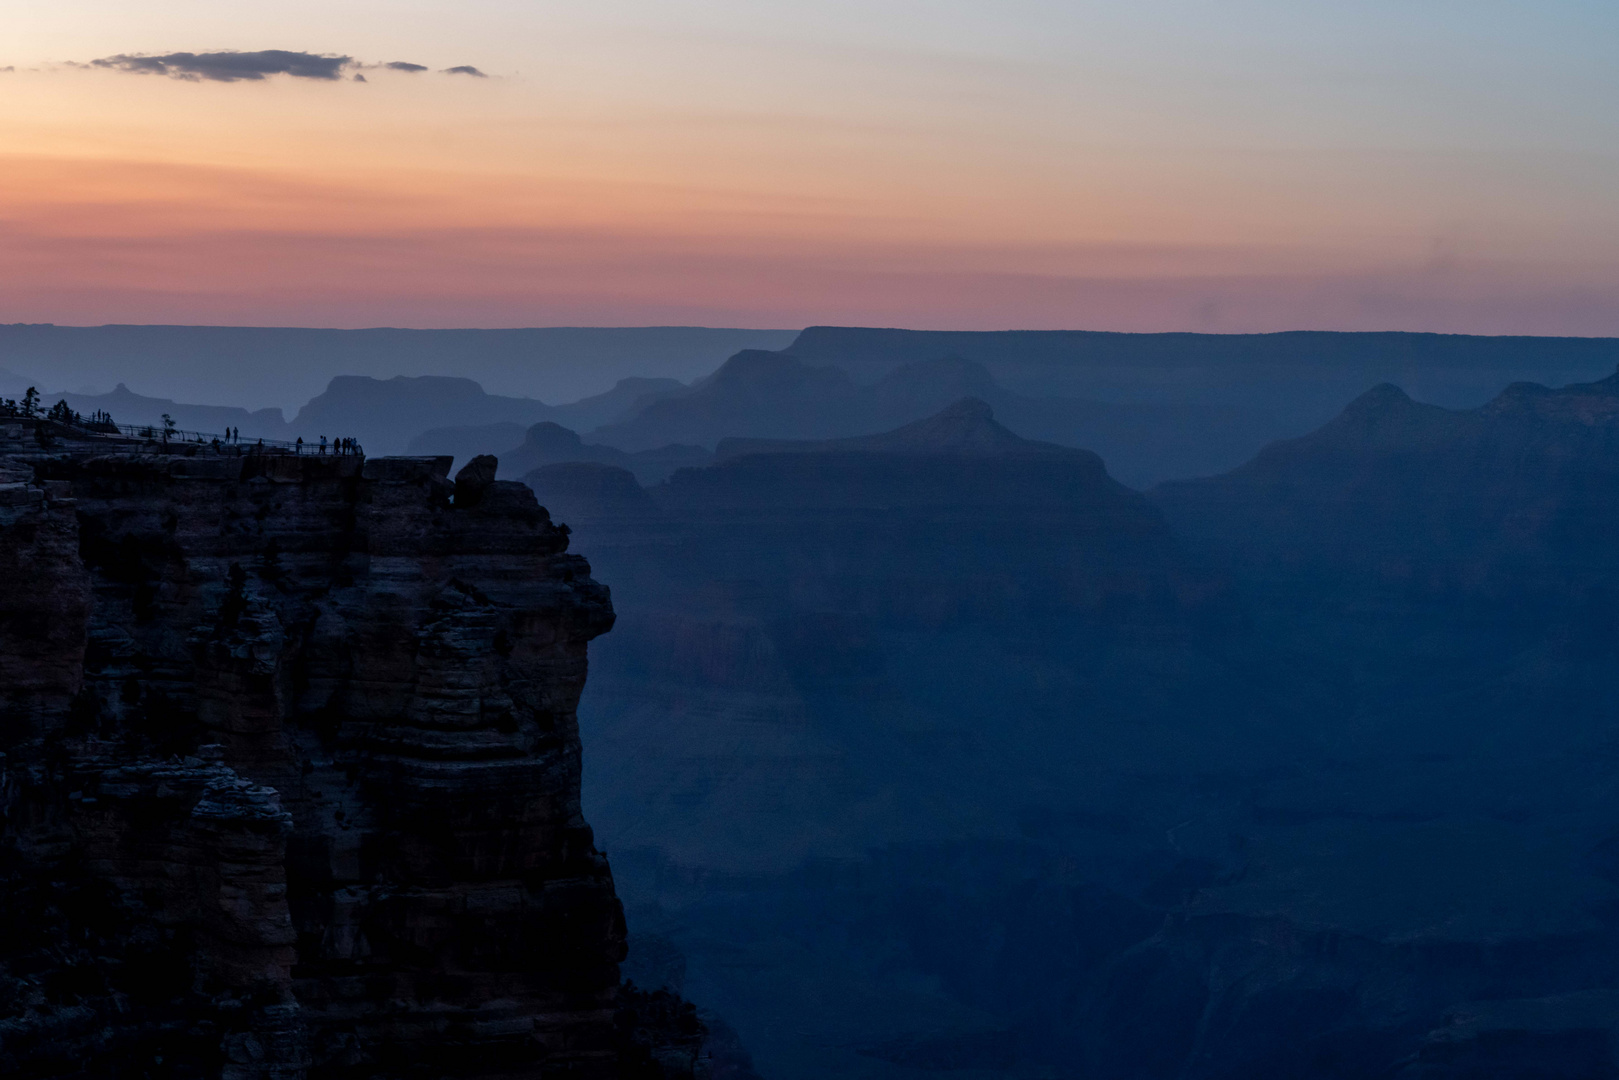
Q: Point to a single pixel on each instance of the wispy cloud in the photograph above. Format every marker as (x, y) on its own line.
(230, 66)
(255, 66)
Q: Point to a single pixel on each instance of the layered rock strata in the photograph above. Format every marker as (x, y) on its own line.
(292, 770)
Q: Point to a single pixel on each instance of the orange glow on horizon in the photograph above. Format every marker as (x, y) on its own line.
(133, 199)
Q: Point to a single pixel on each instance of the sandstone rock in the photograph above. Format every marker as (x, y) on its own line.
(294, 738)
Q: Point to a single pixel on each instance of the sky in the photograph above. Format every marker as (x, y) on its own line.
(1238, 165)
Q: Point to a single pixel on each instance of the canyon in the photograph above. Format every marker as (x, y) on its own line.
(937, 751)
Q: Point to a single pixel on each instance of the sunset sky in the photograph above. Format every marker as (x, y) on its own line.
(1167, 164)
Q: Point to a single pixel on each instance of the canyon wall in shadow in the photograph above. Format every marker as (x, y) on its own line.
(290, 775)
(943, 752)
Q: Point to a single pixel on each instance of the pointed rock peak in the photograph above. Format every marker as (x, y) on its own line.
(754, 367)
(474, 479)
(1380, 397)
(966, 427)
(1375, 406)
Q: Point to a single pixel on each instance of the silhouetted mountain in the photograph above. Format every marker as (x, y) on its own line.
(282, 366)
(127, 407)
(1513, 503)
(1454, 369)
(966, 428)
(1225, 395)
(770, 395)
(506, 439)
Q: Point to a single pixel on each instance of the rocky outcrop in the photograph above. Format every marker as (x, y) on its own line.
(292, 772)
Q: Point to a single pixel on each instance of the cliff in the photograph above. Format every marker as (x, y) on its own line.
(291, 773)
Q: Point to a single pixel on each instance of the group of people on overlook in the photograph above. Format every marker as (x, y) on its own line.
(339, 446)
(233, 436)
(29, 407)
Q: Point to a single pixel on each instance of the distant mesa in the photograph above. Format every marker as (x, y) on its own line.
(386, 413)
(967, 427)
(765, 395)
(754, 393)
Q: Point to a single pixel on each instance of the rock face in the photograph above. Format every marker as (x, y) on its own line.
(291, 773)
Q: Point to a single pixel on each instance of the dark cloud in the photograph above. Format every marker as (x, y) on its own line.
(230, 66)
(359, 78)
(465, 69)
(404, 65)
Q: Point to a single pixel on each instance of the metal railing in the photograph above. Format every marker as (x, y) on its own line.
(157, 433)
